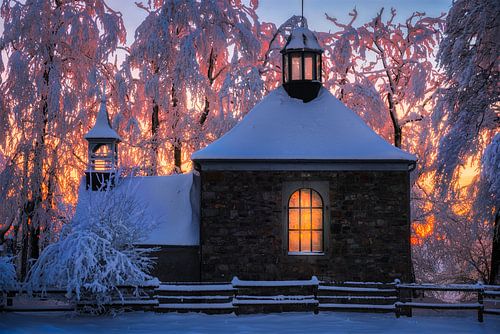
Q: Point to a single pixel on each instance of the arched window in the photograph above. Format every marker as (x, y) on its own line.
(305, 222)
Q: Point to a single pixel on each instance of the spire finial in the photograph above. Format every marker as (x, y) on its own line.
(103, 91)
(102, 128)
(103, 111)
(302, 15)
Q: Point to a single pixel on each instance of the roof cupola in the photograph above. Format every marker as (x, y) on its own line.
(301, 64)
(102, 150)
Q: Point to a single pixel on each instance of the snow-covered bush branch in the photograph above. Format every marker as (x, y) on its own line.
(96, 253)
(8, 279)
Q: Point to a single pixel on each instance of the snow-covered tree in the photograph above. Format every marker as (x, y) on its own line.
(468, 112)
(469, 56)
(182, 53)
(250, 78)
(463, 216)
(8, 278)
(95, 253)
(56, 52)
(391, 68)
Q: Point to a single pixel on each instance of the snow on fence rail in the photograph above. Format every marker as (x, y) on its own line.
(405, 304)
(236, 282)
(53, 299)
(339, 296)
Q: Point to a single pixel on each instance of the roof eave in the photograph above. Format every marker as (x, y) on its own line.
(117, 139)
(301, 50)
(306, 164)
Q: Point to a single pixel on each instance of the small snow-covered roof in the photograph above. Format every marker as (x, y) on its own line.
(302, 38)
(284, 128)
(102, 128)
(170, 201)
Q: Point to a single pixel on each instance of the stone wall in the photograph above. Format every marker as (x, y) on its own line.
(242, 228)
(176, 263)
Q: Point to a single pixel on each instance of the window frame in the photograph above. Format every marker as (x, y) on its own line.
(287, 60)
(322, 188)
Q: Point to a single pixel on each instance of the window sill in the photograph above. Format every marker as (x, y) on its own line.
(306, 253)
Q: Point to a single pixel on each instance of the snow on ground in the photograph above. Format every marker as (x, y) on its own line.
(290, 323)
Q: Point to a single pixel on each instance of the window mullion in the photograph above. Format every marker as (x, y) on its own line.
(310, 219)
(300, 220)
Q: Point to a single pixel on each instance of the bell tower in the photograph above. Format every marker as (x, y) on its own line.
(301, 64)
(102, 151)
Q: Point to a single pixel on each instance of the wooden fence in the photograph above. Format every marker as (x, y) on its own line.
(241, 296)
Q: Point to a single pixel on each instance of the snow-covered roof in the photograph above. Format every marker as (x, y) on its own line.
(102, 128)
(170, 201)
(284, 128)
(302, 38)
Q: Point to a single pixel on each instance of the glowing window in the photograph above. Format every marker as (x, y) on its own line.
(318, 67)
(102, 157)
(285, 68)
(308, 67)
(102, 151)
(305, 222)
(296, 67)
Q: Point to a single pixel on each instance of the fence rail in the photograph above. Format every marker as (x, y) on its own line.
(269, 296)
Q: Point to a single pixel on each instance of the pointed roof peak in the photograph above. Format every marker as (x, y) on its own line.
(102, 128)
(103, 91)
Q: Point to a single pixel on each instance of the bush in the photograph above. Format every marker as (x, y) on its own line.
(95, 253)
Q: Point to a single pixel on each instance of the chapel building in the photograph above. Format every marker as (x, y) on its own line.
(302, 186)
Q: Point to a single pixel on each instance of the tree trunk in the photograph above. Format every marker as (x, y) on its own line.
(398, 131)
(206, 110)
(178, 157)
(33, 205)
(155, 125)
(176, 142)
(210, 76)
(35, 242)
(342, 83)
(24, 250)
(495, 251)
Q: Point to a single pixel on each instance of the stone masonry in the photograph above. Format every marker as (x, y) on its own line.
(242, 228)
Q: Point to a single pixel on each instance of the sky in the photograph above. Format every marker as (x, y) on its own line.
(278, 11)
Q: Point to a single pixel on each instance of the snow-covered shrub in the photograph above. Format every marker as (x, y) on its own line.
(8, 280)
(95, 253)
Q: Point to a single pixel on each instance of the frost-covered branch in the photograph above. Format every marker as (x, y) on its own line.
(95, 253)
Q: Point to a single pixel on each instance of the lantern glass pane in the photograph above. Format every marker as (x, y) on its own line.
(285, 68)
(318, 67)
(308, 67)
(296, 67)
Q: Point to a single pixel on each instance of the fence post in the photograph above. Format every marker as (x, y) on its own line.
(315, 290)
(397, 309)
(10, 298)
(480, 311)
(235, 294)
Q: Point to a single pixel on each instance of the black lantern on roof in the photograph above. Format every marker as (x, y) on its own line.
(301, 59)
